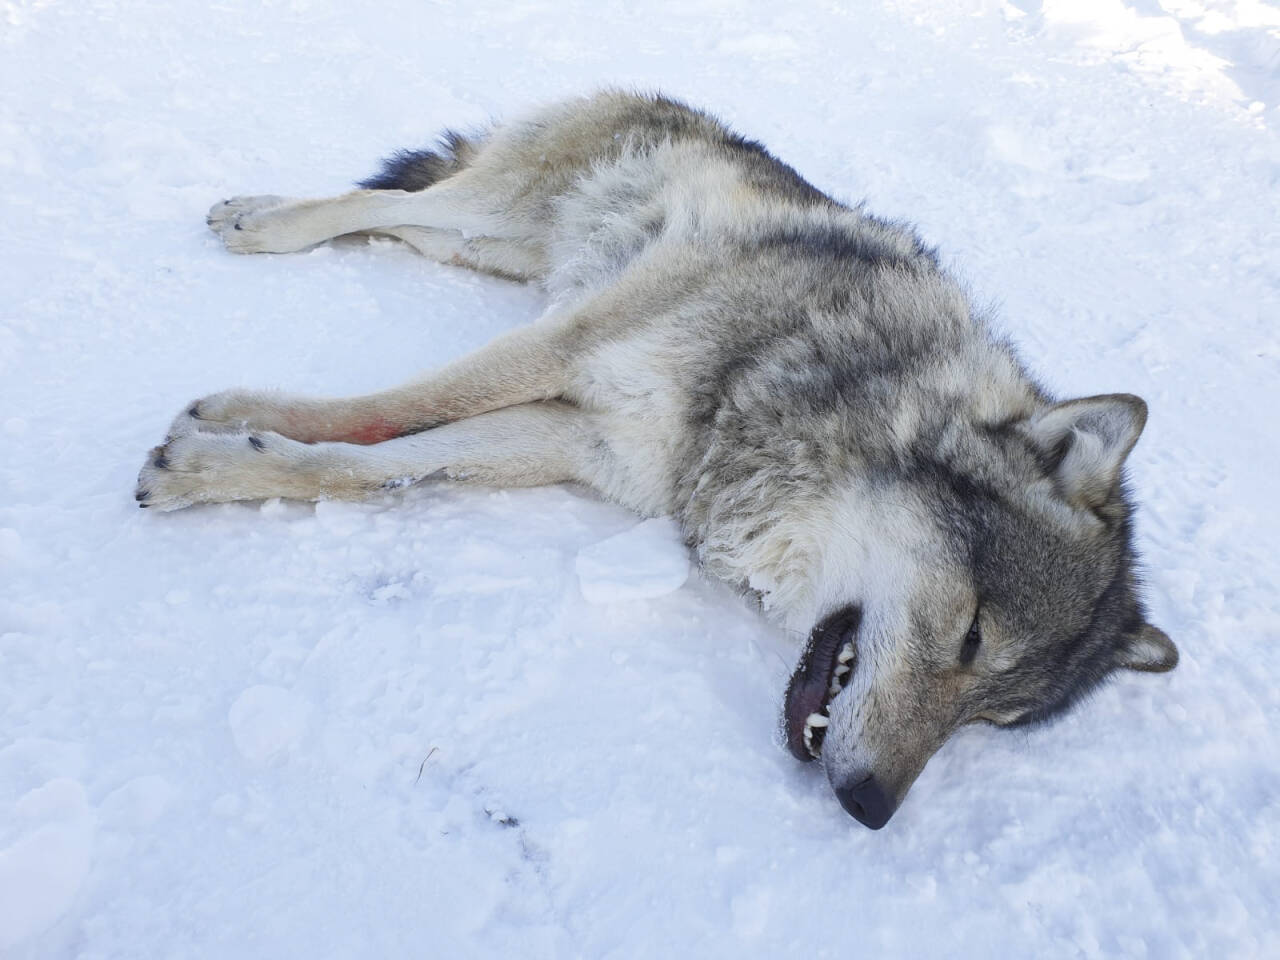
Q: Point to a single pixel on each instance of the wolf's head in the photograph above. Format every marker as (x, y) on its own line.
(986, 575)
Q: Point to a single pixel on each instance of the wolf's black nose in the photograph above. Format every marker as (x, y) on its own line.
(866, 802)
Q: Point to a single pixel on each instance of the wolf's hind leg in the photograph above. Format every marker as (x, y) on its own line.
(228, 217)
(262, 225)
(283, 225)
(529, 363)
(527, 445)
(503, 258)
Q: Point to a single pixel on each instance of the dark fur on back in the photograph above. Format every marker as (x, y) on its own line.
(653, 120)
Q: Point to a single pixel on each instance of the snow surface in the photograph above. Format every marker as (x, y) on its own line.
(401, 729)
(647, 561)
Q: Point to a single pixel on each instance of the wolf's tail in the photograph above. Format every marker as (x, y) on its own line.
(419, 169)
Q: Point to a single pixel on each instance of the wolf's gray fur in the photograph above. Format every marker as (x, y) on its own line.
(799, 383)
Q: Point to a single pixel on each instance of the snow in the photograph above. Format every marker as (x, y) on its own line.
(265, 721)
(41, 873)
(647, 561)
(403, 727)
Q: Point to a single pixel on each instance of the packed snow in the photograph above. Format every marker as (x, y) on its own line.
(649, 560)
(465, 722)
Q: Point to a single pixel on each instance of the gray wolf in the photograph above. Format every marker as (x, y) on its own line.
(799, 383)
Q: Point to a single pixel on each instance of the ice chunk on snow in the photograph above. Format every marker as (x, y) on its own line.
(266, 720)
(138, 803)
(41, 873)
(649, 560)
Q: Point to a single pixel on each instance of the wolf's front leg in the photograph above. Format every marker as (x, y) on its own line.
(305, 419)
(527, 445)
(218, 467)
(528, 364)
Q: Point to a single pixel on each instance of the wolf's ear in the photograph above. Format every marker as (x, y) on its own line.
(1085, 442)
(1149, 649)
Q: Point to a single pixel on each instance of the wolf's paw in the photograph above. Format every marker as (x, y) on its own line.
(231, 411)
(252, 225)
(217, 467)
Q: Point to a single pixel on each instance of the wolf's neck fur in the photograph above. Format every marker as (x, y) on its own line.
(841, 518)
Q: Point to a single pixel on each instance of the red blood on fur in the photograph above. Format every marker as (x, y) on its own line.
(375, 431)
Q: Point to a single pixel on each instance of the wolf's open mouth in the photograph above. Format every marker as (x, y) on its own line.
(825, 667)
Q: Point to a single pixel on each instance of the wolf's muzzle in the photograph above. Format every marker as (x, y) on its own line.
(866, 802)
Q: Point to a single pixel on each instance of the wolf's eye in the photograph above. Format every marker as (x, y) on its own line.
(972, 640)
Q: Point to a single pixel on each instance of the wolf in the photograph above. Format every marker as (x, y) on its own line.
(799, 383)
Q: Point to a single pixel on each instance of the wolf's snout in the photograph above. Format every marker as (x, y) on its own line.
(866, 802)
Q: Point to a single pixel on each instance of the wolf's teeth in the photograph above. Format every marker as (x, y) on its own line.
(808, 743)
(842, 669)
(846, 653)
(815, 721)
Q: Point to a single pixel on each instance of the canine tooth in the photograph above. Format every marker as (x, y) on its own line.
(816, 720)
(808, 743)
(846, 653)
(842, 669)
